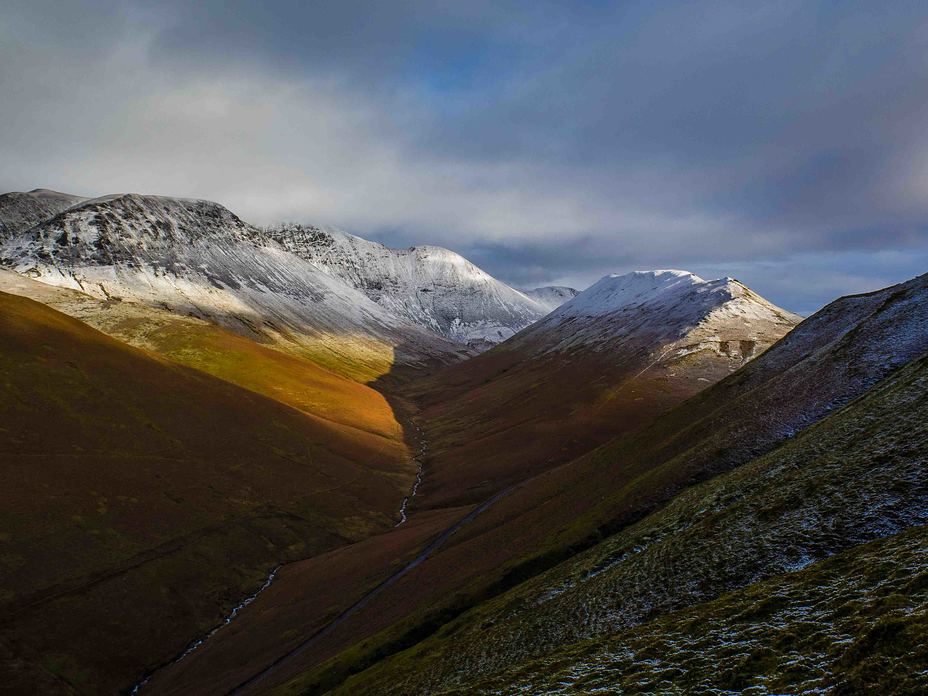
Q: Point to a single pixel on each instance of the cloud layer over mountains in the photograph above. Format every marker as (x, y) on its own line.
(547, 143)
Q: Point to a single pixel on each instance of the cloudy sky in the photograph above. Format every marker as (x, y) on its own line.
(782, 143)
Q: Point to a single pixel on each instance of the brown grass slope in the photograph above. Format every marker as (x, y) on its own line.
(857, 476)
(845, 348)
(142, 499)
(569, 383)
(196, 343)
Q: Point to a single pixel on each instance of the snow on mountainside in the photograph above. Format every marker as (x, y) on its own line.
(427, 285)
(677, 310)
(20, 211)
(197, 257)
(552, 296)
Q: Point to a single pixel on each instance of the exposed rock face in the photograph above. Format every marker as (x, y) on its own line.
(20, 211)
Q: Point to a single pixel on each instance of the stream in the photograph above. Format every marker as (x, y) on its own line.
(423, 448)
(230, 617)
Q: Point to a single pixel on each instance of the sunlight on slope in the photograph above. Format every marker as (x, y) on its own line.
(164, 475)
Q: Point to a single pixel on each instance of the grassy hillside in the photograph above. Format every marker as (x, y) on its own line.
(503, 417)
(142, 498)
(831, 358)
(857, 476)
(856, 623)
(605, 364)
(207, 346)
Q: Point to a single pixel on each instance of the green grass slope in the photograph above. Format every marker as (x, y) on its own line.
(142, 499)
(859, 475)
(856, 623)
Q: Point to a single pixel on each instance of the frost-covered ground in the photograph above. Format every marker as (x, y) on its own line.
(856, 623)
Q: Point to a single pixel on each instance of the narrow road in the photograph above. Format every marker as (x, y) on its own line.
(436, 544)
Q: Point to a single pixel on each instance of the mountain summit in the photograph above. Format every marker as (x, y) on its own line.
(629, 347)
(677, 311)
(20, 211)
(429, 286)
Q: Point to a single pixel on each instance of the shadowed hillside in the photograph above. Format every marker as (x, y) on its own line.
(604, 363)
(561, 512)
(143, 499)
(858, 476)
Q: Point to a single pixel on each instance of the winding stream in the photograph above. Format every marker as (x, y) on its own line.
(199, 641)
(230, 617)
(308, 642)
(423, 448)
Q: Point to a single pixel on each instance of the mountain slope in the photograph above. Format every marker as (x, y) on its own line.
(552, 296)
(555, 515)
(196, 257)
(858, 476)
(143, 499)
(606, 362)
(856, 623)
(426, 285)
(20, 211)
(516, 532)
(209, 348)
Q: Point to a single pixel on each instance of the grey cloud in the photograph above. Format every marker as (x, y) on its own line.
(547, 141)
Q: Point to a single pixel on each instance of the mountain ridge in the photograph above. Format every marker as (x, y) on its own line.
(429, 285)
(300, 287)
(552, 296)
(197, 257)
(21, 210)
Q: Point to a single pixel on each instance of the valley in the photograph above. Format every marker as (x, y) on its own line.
(290, 460)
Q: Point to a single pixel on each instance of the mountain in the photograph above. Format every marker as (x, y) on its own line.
(428, 286)
(143, 499)
(678, 310)
(20, 211)
(552, 296)
(606, 362)
(796, 493)
(196, 257)
(506, 516)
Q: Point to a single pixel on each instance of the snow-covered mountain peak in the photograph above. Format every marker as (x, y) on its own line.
(671, 309)
(429, 285)
(616, 291)
(552, 296)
